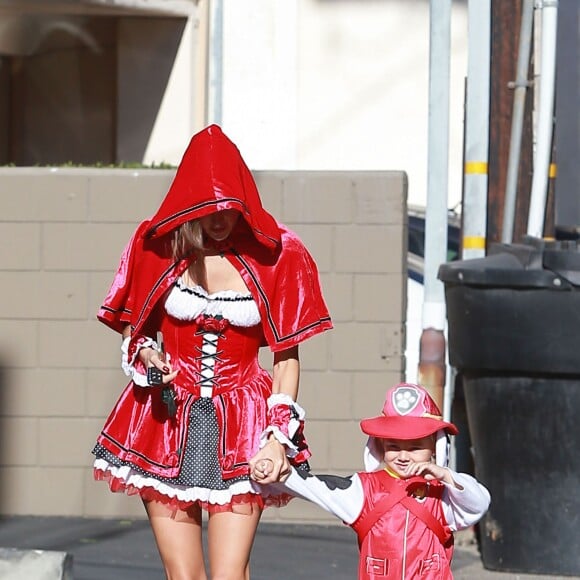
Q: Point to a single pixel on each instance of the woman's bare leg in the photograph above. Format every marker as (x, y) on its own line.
(230, 539)
(178, 538)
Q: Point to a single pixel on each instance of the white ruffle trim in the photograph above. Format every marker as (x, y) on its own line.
(127, 365)
(284, 399)
(291, 449)
(182, 493)
(188, 302)
(293, 424)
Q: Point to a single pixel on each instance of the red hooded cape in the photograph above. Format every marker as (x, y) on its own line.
(273, 262)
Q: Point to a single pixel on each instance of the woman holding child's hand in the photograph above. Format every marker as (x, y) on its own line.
(204, 284)
(404, 525)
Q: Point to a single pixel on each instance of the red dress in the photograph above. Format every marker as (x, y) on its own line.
(201, 454)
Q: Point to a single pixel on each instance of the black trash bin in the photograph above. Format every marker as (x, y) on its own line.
(514, 336)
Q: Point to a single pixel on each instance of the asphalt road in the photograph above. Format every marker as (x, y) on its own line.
(104, 549)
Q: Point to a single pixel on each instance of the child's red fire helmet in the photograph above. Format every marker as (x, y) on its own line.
(408, 413)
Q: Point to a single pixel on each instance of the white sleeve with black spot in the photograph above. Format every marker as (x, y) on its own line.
(341, 496)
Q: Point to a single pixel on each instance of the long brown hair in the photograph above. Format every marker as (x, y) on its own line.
(187, 238)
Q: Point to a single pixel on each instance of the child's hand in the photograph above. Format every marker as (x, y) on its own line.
(429, 471)
(270, 464)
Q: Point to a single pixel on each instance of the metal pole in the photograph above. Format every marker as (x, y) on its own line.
(432, 360)
(215, 65)
(537, 212)
(474, 208)
(505, 19)
(567, 143)
(520, 85)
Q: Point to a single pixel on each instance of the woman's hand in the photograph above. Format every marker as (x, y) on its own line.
(150, 358)
(270, 464)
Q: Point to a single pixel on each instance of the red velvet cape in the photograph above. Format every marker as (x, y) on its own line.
(273, 262)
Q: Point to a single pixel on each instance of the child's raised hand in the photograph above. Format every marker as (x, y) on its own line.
(429, 471)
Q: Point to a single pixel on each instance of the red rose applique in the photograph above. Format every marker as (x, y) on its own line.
(215, 324)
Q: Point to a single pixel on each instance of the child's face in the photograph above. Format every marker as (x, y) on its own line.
(400, 453)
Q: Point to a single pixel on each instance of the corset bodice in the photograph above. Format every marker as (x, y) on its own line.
(213, 339)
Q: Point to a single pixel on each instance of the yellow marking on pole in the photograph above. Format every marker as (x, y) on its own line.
(477, 167)
(553, 171)
(473, 242)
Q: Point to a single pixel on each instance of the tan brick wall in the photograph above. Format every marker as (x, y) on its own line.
(62, 232)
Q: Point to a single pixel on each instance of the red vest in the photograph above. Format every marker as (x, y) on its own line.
(402, 543)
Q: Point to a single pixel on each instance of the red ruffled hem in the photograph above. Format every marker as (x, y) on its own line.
(239, 503)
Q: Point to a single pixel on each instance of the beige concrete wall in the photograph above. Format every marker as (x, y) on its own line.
(61, 234)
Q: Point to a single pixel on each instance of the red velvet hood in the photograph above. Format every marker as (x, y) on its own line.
(212, 176)
(275, 265)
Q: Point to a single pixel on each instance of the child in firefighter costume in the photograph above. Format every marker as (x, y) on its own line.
(201, 286)
(406, 504)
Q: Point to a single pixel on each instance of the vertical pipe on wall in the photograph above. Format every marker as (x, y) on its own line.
(549, 12)
(520, 86)
(567, 135)
(215, 64)
(432, 350)
(474, 208)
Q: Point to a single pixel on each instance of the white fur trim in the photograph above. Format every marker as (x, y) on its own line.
(188, 302)
(279, 399)
(139, 379)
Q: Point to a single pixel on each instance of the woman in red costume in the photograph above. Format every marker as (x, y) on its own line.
(201, 287)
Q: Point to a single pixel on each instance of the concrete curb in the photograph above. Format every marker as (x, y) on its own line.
(35, 564)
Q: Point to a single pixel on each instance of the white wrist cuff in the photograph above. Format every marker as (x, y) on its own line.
(283, 399)
(291, 449)
(280, 399)
(128, 366)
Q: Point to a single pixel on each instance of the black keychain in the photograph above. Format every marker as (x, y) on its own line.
(155, 377)
(168, 397)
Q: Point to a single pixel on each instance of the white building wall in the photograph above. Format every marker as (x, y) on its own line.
(306, 84)
(310, 84)
(175, 122)
(261, 81)
(322, 85)
(363, 99)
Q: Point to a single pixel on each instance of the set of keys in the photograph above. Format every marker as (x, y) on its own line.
(155, 377)
(168, 397)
